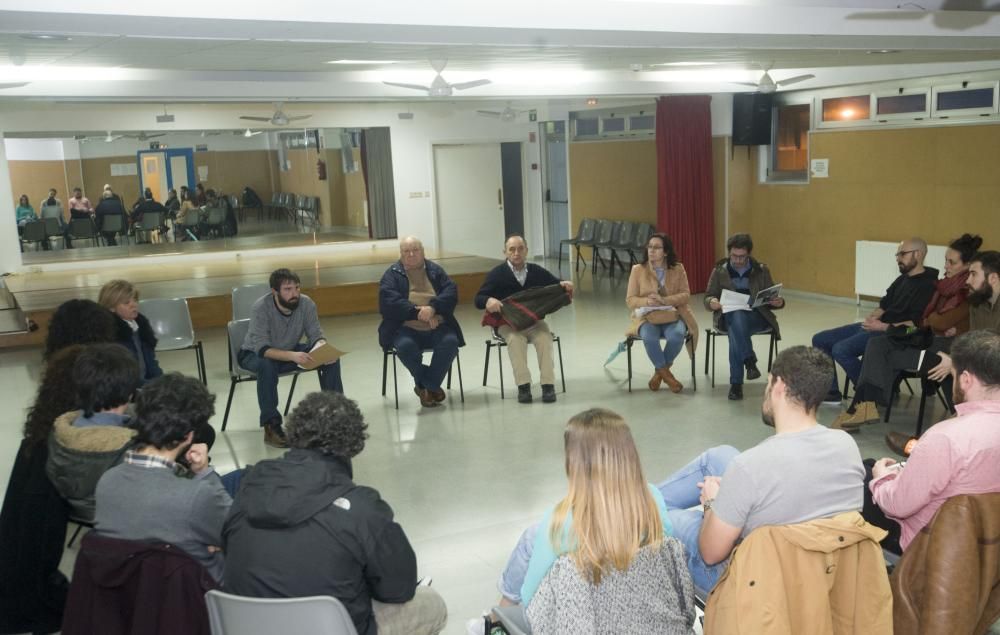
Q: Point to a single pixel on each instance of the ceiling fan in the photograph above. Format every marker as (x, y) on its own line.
(508, 114)
(767, 85)
(249, 133)
(439, 87)
(279, 118)
(142, 136)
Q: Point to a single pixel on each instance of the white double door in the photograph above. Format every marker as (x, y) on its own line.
(469, 190)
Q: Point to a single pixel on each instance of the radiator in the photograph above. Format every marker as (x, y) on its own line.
(875, 266)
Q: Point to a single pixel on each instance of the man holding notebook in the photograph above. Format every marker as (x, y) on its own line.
(274, 345)
(739, 273)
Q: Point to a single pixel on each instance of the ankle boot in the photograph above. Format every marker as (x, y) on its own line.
(654, 383)
(669, 379)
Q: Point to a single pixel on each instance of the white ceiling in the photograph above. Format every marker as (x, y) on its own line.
(543, 49)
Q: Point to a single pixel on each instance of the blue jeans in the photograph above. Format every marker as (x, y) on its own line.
(680, 492)
(410, 345)
(674, 333)
(231, 482)
(268, 370)
(740, 326)
(845, 344)
(513, 574)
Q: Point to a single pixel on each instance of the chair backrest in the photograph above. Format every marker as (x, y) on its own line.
(236, 615)
(237, 332)
(654, 595)
(245, 296)
(52, 226)
(34, 232)
(626, 236)
(275, 198)
(604, 228)
(616, 232)
(216, 216)
(112, 223)
(51, 211)
(171, 322)
(151, 220)
(81, 228)
(234, 201)
(301, 201)
(642, 233)
(288, 199)
(586, 231)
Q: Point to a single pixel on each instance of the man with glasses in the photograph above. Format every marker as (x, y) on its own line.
(904, 301)
(742, 274)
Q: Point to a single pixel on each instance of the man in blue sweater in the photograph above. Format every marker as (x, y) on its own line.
(514, 275)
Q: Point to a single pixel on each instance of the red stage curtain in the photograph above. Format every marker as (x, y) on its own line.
(684, 201)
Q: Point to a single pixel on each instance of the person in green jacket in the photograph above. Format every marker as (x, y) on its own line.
(25, 212)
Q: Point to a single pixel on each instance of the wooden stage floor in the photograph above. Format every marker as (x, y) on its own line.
(342, 279)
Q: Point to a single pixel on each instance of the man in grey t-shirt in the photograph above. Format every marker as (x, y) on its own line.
(804, 472)
(273, 345)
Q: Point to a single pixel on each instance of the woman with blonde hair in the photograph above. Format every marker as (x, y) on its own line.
(610, 519)
(134, 330)
(659, 298)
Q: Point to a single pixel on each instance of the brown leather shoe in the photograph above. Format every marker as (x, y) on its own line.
(669, 379)
(426, 398)
(901, 444)
(274, 436)
(438, 395)
(654, 383)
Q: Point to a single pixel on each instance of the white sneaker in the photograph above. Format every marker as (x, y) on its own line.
(475, 626)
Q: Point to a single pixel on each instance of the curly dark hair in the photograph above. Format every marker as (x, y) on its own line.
(56, 395)
(807, 373)
(281, 276)
(168, 408)
(106, 376)
(669, 255)
(329, 422)
(79, 322)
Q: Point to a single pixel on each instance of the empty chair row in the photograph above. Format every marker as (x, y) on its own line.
(611, 241)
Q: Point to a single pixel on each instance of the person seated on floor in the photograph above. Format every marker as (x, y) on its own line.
(302, 527)
(149, 496)
(87, 441)
(660, 281)
(741, 273)
(273, 345)
(79, 205)
(804, 472)
(944, 317)
(514, 275)
(109, 207)
(417, 301)
(25, 212)
(904, 302)
(134, 330)
(609, 515)
(954, 457)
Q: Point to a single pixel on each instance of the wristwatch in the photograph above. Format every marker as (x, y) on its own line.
(707, 505)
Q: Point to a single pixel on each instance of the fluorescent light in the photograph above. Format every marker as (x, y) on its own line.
(41, 73)
(362, 62)
(686, 64)
(52, 37)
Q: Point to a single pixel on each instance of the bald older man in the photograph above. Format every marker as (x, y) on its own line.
(904, 301)
(417, 301)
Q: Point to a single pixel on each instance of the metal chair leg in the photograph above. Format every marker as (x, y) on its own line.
(72, 538)
(395, 381)
(385, 368)
(500, 368)
(461, 387)
(562, 373)
(486, 365)
(628, 354)
(229, 402)
(291, 391)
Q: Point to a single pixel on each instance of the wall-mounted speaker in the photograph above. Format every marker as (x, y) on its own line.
(752, 119)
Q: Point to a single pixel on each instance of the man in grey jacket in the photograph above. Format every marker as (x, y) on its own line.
(273, 345)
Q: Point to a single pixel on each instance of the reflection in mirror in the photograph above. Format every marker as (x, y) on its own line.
(195, 191)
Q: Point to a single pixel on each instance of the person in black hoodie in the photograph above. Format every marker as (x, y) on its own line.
(301, 527)
(134, 330)
(904, 301)
(516, 274)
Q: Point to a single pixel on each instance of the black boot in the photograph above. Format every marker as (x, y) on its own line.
(524, 393)
(735, 392)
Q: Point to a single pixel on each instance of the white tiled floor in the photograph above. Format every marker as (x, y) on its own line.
(464, 480)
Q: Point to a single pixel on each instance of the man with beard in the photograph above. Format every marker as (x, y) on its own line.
(955, 457)
(273, 345)
(804, 472)
(904, 301)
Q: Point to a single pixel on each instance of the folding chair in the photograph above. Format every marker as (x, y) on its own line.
(712, 333)
(585, 232)
(691, 354)
(171, 322)
(391, 352)
(244, 298)
(237, 615)
(499, 342)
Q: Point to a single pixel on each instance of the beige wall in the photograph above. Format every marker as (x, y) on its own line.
(884, 185)
(230, 171)
(34, 178)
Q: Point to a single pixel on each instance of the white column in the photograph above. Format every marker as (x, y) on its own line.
(10, 252)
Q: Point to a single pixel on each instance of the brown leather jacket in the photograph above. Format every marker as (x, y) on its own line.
(822, 577)
(947, 581)
(642, 281)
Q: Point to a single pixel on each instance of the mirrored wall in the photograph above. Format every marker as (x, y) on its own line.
(194, 191)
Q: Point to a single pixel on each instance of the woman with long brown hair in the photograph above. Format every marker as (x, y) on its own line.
(659, 297)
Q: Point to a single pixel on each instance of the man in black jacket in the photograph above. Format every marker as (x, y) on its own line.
(514, 275)
(301, 527)
(417, 301)
(109, 206)
(903, 303)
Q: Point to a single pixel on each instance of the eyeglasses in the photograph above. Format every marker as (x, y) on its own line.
(900, 254)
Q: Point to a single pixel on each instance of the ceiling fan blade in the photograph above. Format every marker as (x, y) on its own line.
(753, 84)
(489, 113)
(256, 118)
(410, 86)
(13, 85)
(472, 84)
(297, 117)
(153, 136)
(888, 15)
(794, 80)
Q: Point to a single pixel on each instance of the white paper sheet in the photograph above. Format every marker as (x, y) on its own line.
(733, 301)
